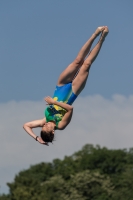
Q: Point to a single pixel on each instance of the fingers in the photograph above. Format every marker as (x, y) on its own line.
(42, 142)
(46, 144)
(48, 97)
(49, 100)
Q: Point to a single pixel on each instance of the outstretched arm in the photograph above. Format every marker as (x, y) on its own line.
(34, 124)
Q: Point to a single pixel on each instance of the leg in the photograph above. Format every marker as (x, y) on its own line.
(79, 82)
(69, 73)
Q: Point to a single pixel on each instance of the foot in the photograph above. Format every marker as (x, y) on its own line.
(104, 33)
(99, 30)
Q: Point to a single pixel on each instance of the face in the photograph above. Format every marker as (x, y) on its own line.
(48, 127)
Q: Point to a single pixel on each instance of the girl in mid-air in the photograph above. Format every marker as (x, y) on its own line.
(71, 82)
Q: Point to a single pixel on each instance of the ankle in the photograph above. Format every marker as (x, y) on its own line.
(102, 39)
(94, 35)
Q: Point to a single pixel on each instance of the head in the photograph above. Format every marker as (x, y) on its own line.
(47, 132)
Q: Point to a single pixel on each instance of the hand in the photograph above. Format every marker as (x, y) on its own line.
(49, 100)
(39, 139)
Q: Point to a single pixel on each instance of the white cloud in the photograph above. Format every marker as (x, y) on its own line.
(96, 120)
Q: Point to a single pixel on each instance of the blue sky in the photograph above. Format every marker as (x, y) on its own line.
(38, 39)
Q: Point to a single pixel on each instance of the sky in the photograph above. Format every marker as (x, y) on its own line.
(38, 40)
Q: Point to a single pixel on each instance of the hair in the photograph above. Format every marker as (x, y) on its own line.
(47, 137)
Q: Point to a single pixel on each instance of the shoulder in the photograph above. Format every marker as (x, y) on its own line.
(43, 121)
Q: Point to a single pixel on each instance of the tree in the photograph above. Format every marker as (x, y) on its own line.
(93, 173)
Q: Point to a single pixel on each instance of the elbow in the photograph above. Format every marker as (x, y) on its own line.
(72, 108)
(24, 126)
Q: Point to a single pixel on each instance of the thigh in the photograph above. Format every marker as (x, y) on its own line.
(79, 82)
(68, 74)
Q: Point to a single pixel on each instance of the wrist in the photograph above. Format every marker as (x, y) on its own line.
(36, 138)
(54, 102)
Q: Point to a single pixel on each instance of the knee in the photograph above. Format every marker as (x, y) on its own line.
(78, 61)
(87, 65)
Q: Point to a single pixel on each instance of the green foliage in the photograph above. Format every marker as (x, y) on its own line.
(4, 197)
(93, 173)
